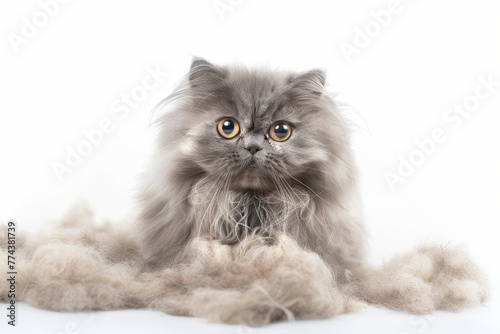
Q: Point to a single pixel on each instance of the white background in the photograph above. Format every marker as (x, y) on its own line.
(66, 78)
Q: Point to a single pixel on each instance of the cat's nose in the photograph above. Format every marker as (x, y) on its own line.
(253, 148)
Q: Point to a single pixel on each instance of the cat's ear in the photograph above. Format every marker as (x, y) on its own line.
(204, 74)
(312, 81)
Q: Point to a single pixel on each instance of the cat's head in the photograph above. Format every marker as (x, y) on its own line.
(256, 129)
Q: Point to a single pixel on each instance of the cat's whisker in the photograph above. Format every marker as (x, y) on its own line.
(306, 207)
(217, 186)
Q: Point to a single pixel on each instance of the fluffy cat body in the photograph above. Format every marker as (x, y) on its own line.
(200, 184)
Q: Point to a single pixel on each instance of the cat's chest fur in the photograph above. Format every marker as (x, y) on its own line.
(230, 216)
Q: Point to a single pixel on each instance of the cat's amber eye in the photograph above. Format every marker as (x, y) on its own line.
(280, 131)
(228, 127)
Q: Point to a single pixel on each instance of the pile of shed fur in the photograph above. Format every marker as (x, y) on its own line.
(90, 266)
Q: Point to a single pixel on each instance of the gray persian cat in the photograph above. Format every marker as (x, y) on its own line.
(252, 152)
(249, 213)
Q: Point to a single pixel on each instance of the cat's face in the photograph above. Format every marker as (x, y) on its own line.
(254, 130)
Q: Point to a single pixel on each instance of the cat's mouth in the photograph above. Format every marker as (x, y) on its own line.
(252, 177)
(252, 163)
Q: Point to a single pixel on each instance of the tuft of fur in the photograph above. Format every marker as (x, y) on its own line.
(433, 277)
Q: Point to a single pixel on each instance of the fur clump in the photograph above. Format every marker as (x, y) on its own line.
(89, 266)
(86, 266)
(432, 277)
